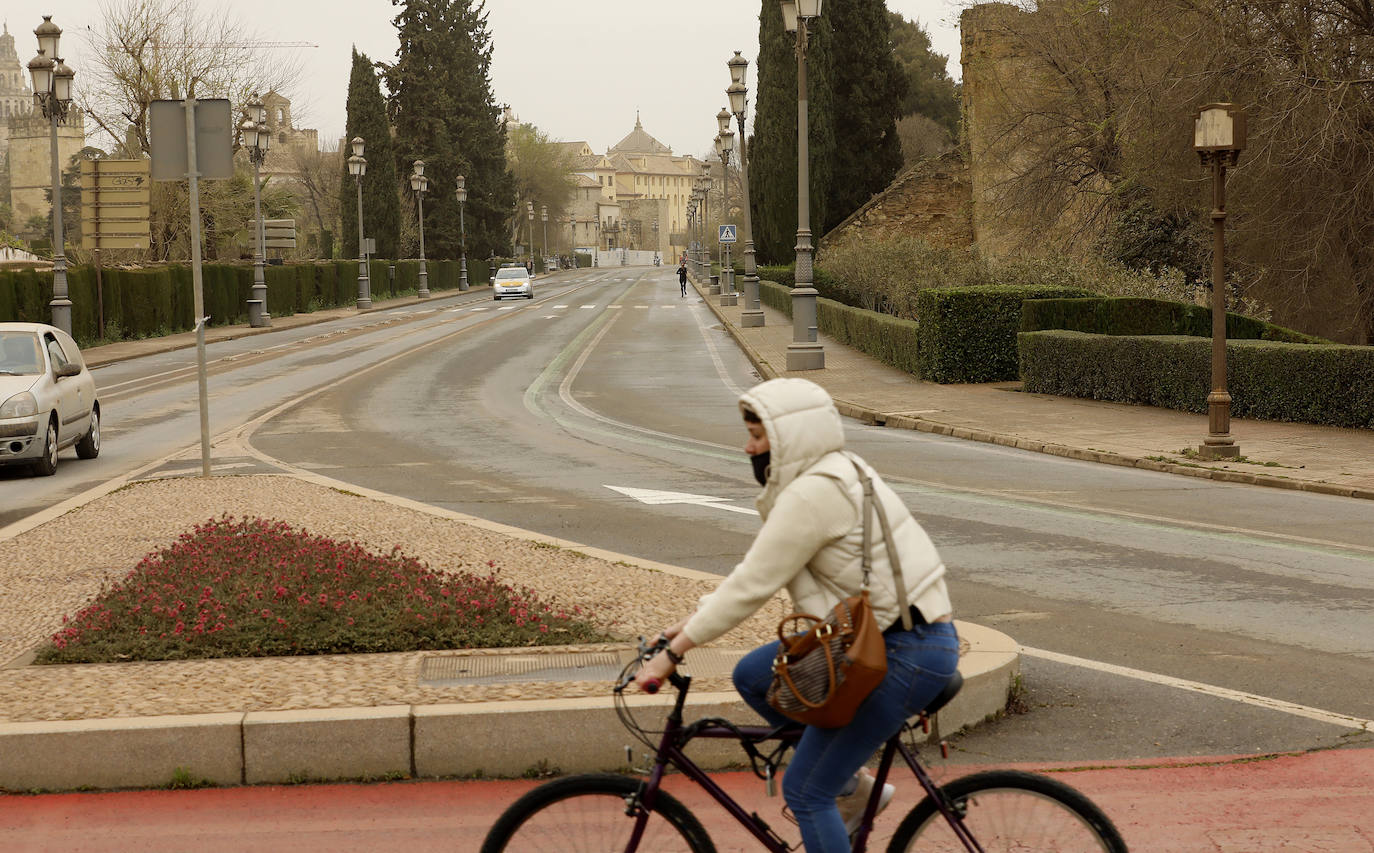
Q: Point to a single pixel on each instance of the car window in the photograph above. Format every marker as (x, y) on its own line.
(19, 353)
(512, 273)
(55, 354)
(70, 348)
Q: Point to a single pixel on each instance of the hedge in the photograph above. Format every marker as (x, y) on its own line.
(1329, 384)
(155, 301)
(1128, 316)
(968, 334)
(889, 339)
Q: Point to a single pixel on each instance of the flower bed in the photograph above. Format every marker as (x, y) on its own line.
(257, 588)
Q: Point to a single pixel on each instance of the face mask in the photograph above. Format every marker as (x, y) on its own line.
(760, 462)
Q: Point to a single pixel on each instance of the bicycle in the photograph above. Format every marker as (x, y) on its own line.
(996, 810)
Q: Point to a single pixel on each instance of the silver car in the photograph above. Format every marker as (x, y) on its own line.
(47, 398)
(512, 281)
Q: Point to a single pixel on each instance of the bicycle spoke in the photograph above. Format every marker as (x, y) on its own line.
(589, 823)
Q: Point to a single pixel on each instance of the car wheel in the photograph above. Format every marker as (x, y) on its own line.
(47, 465)
(89, 445)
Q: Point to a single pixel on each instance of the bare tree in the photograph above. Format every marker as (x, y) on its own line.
(317, 175)
(146, 50)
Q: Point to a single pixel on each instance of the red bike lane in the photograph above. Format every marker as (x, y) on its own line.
(1314, 802)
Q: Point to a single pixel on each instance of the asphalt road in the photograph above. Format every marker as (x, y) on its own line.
(529, 413)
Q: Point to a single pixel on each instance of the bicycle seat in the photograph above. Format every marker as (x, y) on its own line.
(950, 690)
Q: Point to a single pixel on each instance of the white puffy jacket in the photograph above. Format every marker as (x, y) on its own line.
(812, 536)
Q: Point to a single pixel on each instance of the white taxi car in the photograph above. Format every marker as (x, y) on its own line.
(47, 398)
(512, 280)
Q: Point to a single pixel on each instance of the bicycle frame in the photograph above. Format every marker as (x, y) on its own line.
(671, 752)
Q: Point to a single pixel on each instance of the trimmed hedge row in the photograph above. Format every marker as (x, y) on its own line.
(1271, 380)
(159, 300)
(889, 339)
(1128, 316)
(968, 334)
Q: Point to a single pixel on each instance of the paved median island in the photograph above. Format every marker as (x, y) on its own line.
(371, 716)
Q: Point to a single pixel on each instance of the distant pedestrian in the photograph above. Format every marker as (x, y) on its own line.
(682, 277)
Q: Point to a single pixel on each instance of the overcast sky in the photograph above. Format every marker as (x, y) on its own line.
(574, 68)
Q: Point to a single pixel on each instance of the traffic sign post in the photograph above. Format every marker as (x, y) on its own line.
(728, 296)
(277, 233)
(727, 234)
(194, 139)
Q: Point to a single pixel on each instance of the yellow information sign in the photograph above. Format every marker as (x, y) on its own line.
(115, 204)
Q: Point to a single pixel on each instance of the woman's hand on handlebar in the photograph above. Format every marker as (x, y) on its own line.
(657, 668)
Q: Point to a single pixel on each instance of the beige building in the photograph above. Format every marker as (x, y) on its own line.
(634, 196)
(26, 138)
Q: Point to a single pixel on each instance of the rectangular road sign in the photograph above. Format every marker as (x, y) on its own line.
(115, 204)
(120, 211)
(214, 125)
(727, 234)
(102, 243)
(114, 228)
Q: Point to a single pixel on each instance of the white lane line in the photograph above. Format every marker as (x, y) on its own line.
(474, 310)
(641, 306)
(588, 306)
(506, 308)
(453, 310)
(612, 307)
(667, 307)
(560, 306)
(552, 316)
(394, 313)
(1280, 705)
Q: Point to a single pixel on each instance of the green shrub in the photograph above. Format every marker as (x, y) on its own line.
(1272, 380)
(891, 340)
(1135, 316)
(968, 334)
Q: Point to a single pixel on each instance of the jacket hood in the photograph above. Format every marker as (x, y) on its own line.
(802, 426)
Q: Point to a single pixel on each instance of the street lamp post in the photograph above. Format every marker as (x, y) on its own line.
(657, 253)
(805, 352)
(357, 167)
(529, 209)
(1218, 138)
(257, 140)
(463, 231)
(544, 220)
(420, 184)
(726, 141)
(52, 96)
(752, 315)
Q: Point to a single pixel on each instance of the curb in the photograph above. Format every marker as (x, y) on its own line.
(505, 738)
(876, 418)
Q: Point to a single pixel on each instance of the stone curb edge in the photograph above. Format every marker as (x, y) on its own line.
(871, 416)
(477, 740)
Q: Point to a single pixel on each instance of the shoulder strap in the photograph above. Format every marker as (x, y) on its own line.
(903, 607)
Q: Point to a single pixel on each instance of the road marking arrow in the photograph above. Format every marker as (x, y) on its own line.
(655, 497)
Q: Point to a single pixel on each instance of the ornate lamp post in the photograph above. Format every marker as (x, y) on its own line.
(256, 141)
(420, 184)
(1218, 138)
(752, 315)
(804, 353)
(656, 246)
(544, 218)
(52, 96)
(529, 210)
(463, 231)
(357, 167)
(726, 143)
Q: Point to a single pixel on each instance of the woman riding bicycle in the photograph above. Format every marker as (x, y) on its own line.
(812, 543)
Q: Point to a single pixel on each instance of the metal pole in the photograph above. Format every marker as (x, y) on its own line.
(364, 291)
(197, 286)
(546, 244)
(804, 353)
(463, 263)
(257, 304)
(752, 315)
(1219, 444)
(61, 304)
(424, 273)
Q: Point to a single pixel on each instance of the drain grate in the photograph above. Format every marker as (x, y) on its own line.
(454, 670)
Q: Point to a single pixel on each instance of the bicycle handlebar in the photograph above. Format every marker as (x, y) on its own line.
(644, 652)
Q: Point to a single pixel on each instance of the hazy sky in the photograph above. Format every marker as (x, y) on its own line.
(578, 69)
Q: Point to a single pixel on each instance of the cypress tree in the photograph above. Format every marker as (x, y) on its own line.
(867, 97)
(773, 150)
(381, 207)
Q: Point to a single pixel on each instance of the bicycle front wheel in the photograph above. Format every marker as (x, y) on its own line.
(586, 814)
(1007, 810)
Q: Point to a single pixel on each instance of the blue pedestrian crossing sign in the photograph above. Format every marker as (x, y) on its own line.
(727, 234)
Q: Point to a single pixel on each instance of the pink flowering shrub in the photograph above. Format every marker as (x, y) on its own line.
(254, 588)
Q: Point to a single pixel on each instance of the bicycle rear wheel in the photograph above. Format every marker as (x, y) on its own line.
(586, 814)
(1007, 810)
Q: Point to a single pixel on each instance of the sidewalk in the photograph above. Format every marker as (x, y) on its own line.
(1329, 460)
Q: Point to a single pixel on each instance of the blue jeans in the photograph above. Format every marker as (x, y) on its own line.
(919, 664)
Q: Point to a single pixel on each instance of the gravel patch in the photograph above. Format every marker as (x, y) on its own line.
(57, 568)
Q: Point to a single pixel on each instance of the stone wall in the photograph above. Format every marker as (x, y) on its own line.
(932, 199)
(30, 163)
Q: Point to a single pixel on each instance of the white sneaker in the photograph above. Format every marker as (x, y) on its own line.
(852, 805)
